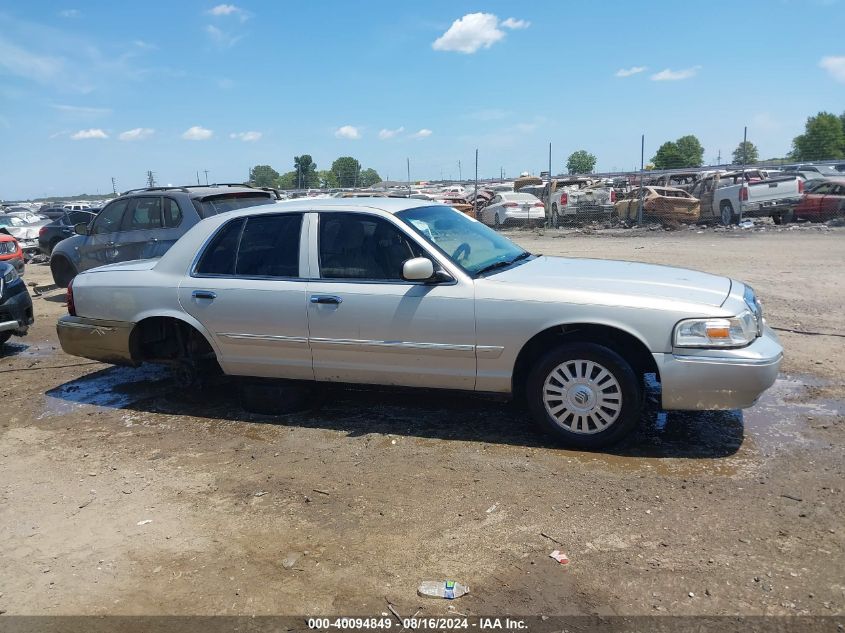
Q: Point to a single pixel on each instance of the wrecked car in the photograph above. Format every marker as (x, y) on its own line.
(664, 204)
(405, 292)
(579, 198)
(15, 304)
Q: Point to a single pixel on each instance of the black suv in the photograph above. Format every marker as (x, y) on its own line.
(15, 304)
(144, 223)
(61, 228)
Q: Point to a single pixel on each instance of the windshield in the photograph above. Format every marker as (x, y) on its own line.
(11, 221)
(470, 244)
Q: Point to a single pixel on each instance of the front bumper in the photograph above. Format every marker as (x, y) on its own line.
(16, 312)
(719, 379)
(104, 341)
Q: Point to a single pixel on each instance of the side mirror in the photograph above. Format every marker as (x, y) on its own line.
(81, 228)
(418, 269)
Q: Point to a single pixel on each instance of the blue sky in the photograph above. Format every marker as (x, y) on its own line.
(94, 90)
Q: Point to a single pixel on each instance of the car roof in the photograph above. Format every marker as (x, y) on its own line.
(387, 205)
(196, 191)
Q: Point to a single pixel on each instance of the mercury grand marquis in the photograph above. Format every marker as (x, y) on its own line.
(409, 292)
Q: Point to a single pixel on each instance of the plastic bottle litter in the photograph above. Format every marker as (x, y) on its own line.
(448, 589)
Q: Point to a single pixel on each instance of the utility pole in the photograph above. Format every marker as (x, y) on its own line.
(744, 176)
(475, 198)
(642, 168)
(113, 185)
(206, 176)
(151, 180)
(460, 173)
(408, 162)
(198, 178)
(719, 158)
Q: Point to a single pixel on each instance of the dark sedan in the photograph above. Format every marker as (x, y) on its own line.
(61, 228)
(15, 304)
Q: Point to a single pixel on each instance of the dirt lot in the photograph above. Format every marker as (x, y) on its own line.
(122, 495)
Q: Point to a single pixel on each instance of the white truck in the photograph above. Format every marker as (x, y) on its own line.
(753, 193)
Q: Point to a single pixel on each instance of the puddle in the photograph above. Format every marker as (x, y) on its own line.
(115, 388)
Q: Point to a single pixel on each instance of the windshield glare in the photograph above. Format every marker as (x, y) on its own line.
(467, 242)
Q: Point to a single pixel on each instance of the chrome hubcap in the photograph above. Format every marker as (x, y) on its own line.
(582, 396)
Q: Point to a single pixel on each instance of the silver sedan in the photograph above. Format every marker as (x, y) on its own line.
(410, 292)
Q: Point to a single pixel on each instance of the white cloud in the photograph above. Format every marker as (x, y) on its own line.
(95, 132)
(136, 134)
(82, 110)
(469, 33)
(69, 13)
(348, 131)
(386, 134)
(513, 23)
(247, 137)
(20, 62)
(675, 75)
(633, 70)
(223, 10)
(835, 66)
(197, 133)
(221, 38)
(423, 133)
(147, 46)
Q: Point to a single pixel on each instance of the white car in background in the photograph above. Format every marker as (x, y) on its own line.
(514, 208)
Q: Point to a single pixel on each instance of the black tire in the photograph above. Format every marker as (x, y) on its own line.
(496, 222)
(276, 397)
(555, 217)
(784, 218)
(726, 213)
(570, 430)
(62, 270)
(4, 337)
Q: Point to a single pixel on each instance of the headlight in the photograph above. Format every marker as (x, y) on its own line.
(737, 331)
(10, 276)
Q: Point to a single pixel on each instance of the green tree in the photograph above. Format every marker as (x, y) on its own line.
(327, 179)
(263, 176)
(691, 150)
(668, 156)
(306, 172)
(580, 162)
(369, 177)
(287, 180)
(346, 169)
(745, 153)
(823, 138)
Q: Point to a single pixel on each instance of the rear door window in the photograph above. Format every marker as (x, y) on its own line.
(172, 213)
(269, 246)
(219, 255)
(144, 215)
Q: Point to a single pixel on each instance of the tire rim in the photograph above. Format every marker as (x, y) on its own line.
(726, 216)
(582, 397)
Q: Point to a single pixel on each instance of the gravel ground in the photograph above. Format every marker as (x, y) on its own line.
(122, 495)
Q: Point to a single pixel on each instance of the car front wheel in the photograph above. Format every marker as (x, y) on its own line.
(585, 394)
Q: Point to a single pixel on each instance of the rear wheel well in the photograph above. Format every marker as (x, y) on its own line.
(62, 270)
(628, 346)
(168, 339)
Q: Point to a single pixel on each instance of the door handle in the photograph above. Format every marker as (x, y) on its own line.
(204, 294)
(326, 299)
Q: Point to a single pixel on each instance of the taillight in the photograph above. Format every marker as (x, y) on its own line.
(71, 307)
(743, 194)
(564, 199)
(800, 186)
(539, 204)
(510, 204)
(42, 231)
(613, 195)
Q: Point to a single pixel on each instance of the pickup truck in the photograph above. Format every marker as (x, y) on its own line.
(754, 193)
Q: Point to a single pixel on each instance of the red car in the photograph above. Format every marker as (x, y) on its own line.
(823, 200)
(10, 251)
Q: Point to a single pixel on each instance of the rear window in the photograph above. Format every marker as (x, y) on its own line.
(223, 202)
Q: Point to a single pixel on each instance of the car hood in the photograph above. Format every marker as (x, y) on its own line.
(618, 278)
(22, 232)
